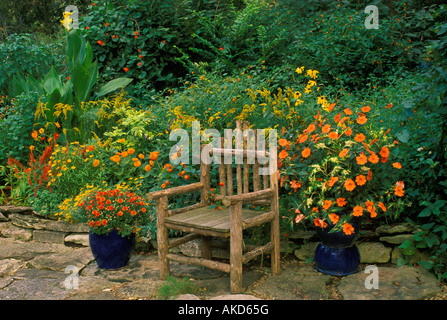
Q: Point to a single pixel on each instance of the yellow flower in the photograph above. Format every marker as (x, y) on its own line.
(299, 70)
(41, 130)
(96, 163)
(67, 21)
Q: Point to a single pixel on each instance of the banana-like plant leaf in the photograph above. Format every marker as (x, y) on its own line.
(52, 82)
(113, 85)
(74, 43)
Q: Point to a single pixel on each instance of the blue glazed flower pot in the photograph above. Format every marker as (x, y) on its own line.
(111, 251)
(337, 254)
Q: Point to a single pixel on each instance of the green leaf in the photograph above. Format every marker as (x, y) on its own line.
(401, 262)
(426, 264)
(52, 81)
(404, 136)
(113, 85)
(74, 43)
(425, 213)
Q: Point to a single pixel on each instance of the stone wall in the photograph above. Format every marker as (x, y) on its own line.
(25, 224)
(379, 245)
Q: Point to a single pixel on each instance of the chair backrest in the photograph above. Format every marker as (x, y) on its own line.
(255, 168)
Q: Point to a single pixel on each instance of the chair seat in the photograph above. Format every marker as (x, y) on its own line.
(209, 219)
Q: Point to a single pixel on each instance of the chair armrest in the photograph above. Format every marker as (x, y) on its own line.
(174, 191)
(246, 197)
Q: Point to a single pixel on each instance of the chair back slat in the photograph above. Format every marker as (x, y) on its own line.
(243, 177)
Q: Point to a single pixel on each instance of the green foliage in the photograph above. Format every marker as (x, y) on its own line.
(16, 125)
(174, 287)
(26, 55)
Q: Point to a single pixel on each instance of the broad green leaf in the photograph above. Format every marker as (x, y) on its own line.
(74, 43)
(80, 78)
(52, 81)
(113, 85)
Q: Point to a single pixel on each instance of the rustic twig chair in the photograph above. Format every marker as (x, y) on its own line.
(199, 221)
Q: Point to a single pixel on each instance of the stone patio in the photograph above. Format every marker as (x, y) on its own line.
(41, 271)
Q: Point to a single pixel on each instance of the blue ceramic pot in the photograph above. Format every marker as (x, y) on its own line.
(337, 254)
(111, 251)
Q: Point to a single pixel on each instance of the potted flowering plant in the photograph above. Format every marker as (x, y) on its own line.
(115, 216)
(341, 169)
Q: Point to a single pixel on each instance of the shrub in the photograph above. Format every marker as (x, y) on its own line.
(26, 55)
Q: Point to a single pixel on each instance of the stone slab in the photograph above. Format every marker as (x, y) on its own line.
(403, 283)
(296, 282)
(49, 236)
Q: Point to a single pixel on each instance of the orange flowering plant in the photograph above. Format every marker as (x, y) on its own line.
(114, 209)
(341, 166)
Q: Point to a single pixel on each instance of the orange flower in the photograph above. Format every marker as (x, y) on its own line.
(320, 223)
(385, 152)
(186, 177)
(359, 137)
(362, 120)
(348, 132)
(382, 206)
(333, 135)
(347, 111)
(361, 180)
(373, 158)
(398, 191)
(302, 138)
(283, 154)
(91, 223)
(116, 158)
(120, 213)
(341, 202)
(337, 117)
(295, 184)
(334, 218)
(348, 229)
(133, 212)
(310, 128)
(327, 204)
(326, 128)
(120, 200)
(104, 222)
(126, 69)
(299, 218)
(361, 159)
(143, 210)
(100, 42)
(349, 185)
(131, 151)
(154, 155)
(147, 168)
(343, 153)
(366, 109)
(34, 134)
(221, 184)
(137, 163)
(332, 181)
(283, 142)
(358, 211)
(397, 165)
(96, 163)
(306, 152)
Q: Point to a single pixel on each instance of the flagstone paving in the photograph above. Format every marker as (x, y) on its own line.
(43, 271)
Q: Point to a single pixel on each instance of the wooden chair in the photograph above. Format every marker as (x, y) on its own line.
(199, 221)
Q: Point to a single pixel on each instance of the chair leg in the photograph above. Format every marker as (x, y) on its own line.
(276, 253)
(206, 247)
(162, 239)
(236, 249)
